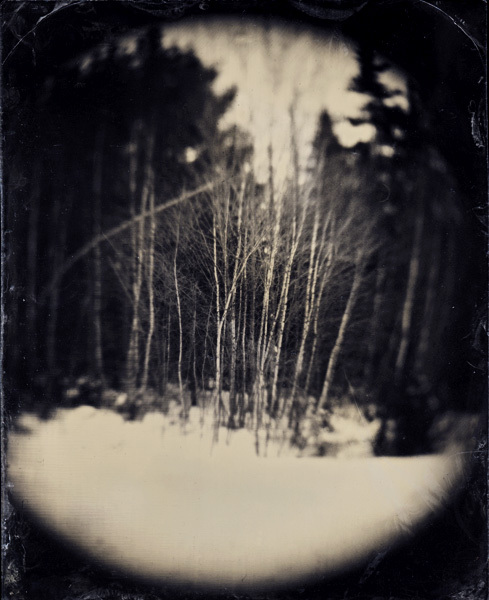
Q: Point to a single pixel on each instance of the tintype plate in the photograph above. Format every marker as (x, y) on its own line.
(244, 299)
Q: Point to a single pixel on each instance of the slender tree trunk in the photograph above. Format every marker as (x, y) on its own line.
(218, 376)
(224, 231)
(283, 304)
(194, 380)
(253, 351)
(97, 256)
(280, 336)
(232, 370)
(166, 367)
(244, 358)
(240, 296)
(220, 336)
(345, 320)
(137, 239)
(150, 283)
(264, 340)
(426, 333)
(315, 323)
(310, 290)
(233, 292)
(180, 326)
(206, 339)
(298, 221)
(218, 384)
(245, 331)
(224, 314)
(407, 311)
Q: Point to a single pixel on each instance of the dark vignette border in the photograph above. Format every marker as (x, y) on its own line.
(441, 44)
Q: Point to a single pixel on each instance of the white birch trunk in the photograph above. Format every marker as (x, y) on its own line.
(345, 320)
(264, 338)
(232, 325)
(137, 242)
(150, 284)
(180, 327)
(315, 323)
(218, 376)
(310, 290)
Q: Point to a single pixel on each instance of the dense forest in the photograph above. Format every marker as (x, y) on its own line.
(146, 268)
(151, 264)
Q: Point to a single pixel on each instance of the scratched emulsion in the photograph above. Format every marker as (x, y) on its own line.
(275, 251)
(166, 506)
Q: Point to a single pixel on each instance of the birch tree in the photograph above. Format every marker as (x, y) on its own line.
(137, 250)
(150, 279)
(345, 320)
(179, 317)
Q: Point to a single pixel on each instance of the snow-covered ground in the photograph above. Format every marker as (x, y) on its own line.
(188, 503)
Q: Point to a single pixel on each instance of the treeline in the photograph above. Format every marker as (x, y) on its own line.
(146, 253)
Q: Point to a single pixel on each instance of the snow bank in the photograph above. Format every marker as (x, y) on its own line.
(178, 503)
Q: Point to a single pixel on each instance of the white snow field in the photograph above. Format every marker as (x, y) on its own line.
(170, 505)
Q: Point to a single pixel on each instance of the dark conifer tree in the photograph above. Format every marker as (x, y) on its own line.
(418, 203)
(80, 127)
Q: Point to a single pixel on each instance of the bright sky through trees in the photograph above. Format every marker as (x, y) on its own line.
(274, 69)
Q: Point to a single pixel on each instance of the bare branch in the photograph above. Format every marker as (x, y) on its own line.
(107, 235)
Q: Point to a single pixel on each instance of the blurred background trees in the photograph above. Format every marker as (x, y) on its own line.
(148, 260)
